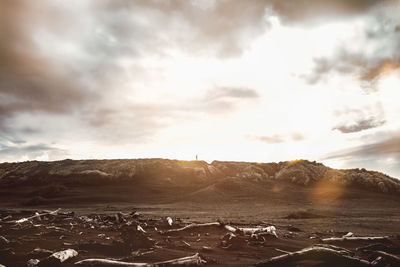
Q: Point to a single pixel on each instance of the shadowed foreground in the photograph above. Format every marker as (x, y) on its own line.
(168, 210)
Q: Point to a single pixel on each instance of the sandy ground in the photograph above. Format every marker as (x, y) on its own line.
(95, 230)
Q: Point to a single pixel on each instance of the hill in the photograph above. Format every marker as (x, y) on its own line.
(164, 180)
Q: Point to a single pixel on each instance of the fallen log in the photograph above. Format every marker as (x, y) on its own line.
(328, 255)
(342, 250)
(230, 228)
(356, 238)
(106, 262)
(22, 220)
(255, 230)
(194, 260)
(192, 226)
(252, 230)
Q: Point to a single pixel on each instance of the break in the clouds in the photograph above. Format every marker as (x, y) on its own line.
(264, 80)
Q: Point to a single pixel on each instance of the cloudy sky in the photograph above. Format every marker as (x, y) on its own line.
(228, 80)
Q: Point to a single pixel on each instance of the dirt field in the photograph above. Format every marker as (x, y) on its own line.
(103, 223)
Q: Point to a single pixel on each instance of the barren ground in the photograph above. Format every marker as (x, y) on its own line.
(301, 216)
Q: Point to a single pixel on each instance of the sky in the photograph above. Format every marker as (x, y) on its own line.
(262, 80)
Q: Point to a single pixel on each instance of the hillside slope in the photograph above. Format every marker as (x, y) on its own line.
(164, 180)
(187, 173)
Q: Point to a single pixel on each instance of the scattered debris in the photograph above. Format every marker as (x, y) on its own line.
(390, 258)
(121, 239)
(191, 226)
(169, 221)
(139, 252)
(354, 238)
(283, 251)
(381, 247)
(206, 248)
(54, 259)
(334, 256)
(186, 243)
(230, 228)
(254, 230)
(139, 228)
(3, 240)
(194, 260)
(37, 215)
(64, 255)
(231, 241)
(349, 234)
(32, 262)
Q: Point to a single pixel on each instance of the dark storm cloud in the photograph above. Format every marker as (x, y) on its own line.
(29, 81)
(360, 125)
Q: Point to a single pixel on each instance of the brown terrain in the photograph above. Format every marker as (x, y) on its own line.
(156, 210)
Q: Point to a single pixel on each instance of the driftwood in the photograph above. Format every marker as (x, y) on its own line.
(54, 259)
(380, 247)
(342, 250)
(255, 230)
(390, 258)
(194, 260)
(37, 215)
(3, 240)
(252, 230)
(230, 228)
(356, 238)
(349, 234)
(334, 256)
(106, 262)
(191, 226)
(64, 255)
